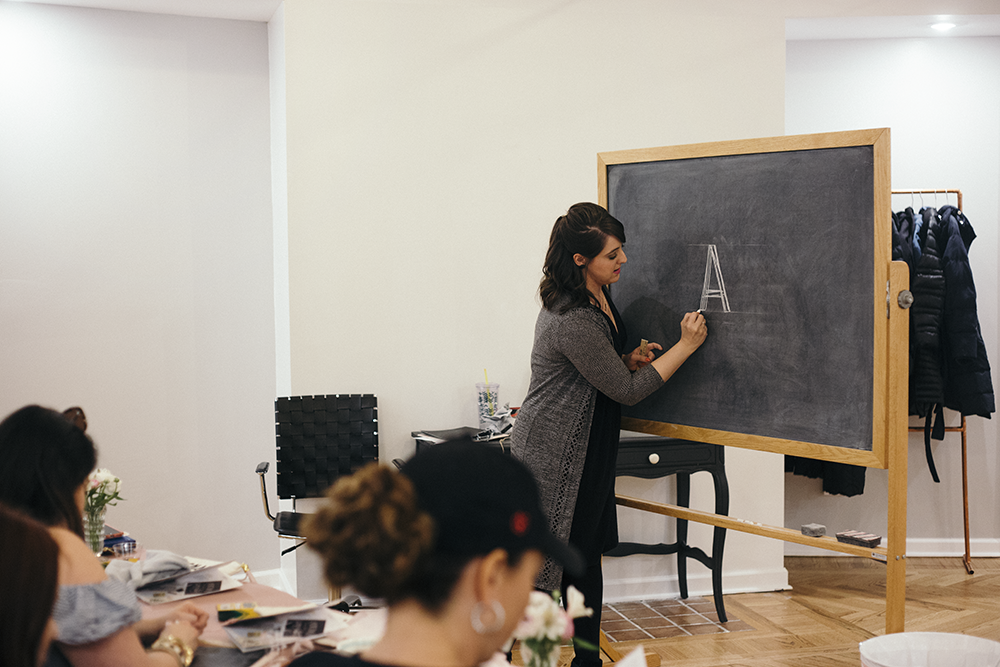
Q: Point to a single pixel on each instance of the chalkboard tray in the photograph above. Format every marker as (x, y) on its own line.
(785, 243)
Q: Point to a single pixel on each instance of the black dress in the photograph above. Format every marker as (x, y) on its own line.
(595, 516)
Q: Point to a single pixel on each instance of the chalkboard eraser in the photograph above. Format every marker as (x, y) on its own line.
(859, 538)
(814, 530)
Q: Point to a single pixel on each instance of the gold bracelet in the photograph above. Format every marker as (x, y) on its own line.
(176, 647)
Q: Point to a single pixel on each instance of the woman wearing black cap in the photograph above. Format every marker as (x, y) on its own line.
(452, 542)
(568, 426)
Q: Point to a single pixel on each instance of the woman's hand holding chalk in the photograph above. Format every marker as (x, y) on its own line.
(640, 356)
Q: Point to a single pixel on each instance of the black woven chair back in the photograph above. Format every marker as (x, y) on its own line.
(320, 438)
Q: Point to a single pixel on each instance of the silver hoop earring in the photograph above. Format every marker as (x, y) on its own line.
(499, 616)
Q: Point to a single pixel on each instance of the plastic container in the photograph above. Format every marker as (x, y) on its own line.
(488, 399)
(929, 649)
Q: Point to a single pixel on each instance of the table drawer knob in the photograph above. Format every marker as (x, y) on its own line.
(654, 458)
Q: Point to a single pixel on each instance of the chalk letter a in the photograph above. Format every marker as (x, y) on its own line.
(712, 268)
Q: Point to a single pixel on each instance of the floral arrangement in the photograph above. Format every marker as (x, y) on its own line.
(103, 489)
(546, 625)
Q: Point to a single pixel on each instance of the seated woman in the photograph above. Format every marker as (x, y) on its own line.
(45, 461)
(452, 542)
(29, 559)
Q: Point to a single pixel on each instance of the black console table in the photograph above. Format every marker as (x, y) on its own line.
(654, 457)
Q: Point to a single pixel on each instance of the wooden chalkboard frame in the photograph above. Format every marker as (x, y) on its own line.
(890, 370)
(882, 394)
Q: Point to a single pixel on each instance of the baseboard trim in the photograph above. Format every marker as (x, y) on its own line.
(699, 584)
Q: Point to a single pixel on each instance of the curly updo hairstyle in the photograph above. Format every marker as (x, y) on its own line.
(584, 230)
(373, 536)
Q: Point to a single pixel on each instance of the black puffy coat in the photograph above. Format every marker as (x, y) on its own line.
(948, 362)
(927, 283)
(968, 384)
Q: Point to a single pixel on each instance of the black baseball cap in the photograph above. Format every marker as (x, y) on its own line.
(482, 499)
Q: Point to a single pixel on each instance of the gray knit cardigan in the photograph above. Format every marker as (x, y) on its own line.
(572, 358)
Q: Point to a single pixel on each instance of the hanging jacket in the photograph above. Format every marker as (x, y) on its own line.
(968, 385)
(906, 246)
(902, 237)
(927, 283)
(948, 365)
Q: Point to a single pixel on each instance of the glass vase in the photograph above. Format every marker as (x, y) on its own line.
(93, 529)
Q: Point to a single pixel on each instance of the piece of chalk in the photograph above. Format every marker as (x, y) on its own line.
(814, 530)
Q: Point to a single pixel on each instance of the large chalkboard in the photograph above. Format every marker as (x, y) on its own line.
(785, 243)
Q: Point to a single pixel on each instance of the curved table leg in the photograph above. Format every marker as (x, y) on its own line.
(683, 500)
(719, 540)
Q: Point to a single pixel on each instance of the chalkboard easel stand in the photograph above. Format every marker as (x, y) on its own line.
(644, 188)
(967, 559)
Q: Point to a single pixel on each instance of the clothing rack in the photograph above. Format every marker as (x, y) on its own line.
(931, 192)
(967, 559)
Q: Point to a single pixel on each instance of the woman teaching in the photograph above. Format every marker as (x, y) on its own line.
(568, 426)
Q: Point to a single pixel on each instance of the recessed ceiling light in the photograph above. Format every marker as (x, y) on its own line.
(943, 26)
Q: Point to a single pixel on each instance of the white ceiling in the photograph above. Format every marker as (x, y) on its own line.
(851, 27)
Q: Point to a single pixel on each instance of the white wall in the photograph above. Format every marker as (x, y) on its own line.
(430, 148)
(941, 98)
(136, 254)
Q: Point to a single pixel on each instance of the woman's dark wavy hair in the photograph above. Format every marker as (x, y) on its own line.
(584, 230)
(44, 459)
(29, 561)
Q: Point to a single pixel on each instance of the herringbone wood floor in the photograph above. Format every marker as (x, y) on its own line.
(834, 604)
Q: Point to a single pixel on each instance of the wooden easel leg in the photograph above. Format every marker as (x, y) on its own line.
(614, 655)
(897, 445)
(895, 594)
(895, 575)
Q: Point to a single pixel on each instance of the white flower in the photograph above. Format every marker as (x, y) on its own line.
(546, 625)
(103, 489)
(106, 480)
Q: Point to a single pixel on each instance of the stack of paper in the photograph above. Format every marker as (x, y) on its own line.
(203, 578)
(251, 627)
